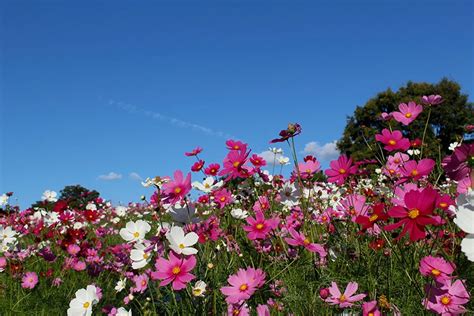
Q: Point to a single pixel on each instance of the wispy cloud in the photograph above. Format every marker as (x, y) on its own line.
(325, 152)
(168, 119)
(270, 157)
(135, 176)
(111, 176)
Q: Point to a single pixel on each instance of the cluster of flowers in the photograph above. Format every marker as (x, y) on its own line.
(256, 225)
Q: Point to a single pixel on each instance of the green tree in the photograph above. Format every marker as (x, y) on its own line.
(447, 121)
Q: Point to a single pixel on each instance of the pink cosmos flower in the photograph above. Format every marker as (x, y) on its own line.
(238, 310)
(386, 116)
(243, 285)
(458, 164)
(354, 205)
(308, 168)
(416, 170)
(141, 283)
(197, 166)
(370, 309)
(257, 161)
(235, 145)
(259, 227)
(416, 214)
(299, 239)
(29, 280)
(398, 158)
(262, 204)
(432, 99)
(233, 165)
(174, 270)
(346, 299)
(3, 263)
(177, 188)
(448, 299)
(408, 112)
(223, 197)
(263, 310)
(393, 140)
(73, 249)
(194, 152)
(444, 202)
(340, 170)
(436, 267)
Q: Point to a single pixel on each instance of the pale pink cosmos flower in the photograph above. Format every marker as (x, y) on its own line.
(299, 239)
(174, 270)
(437, 268)
(141, 283)
(243, 285)
(370, 309)
(345, 299)
(29, 280)
(263, 310)
(340, 169)
(308, 168)
(447, 299)
(354, 205)
(433, 99)
(259, 227)
(393, 140)
(177, 189)
(408, 112)
(73, 249)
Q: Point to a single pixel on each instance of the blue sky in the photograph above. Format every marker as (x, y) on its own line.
(90, 88)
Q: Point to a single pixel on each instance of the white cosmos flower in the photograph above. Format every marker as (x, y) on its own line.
(207, 185)
(7, 235)
(3, 199)
(135, 231)
(91, 206)
(49, 196)
(123, 312)
(181, 243)
(120, 286)
(139, 256)
(121, 210)
(453, 146)
(183, 214)
(199, 289)
(276, 150)
(465, 220)
(283, 161)
(239, 213)
(82, 304)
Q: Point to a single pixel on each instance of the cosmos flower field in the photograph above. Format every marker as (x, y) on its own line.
(389, 236)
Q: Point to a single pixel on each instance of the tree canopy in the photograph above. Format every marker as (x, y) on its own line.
(447, 121)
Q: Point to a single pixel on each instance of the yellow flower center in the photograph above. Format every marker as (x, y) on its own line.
(177, 190)
(182, 246)
(445, 300)
(414, 213)
(243, 287)
(391, 171)
(207, 186)
(342, 171)
(236, 164)
(443, 204)
(235, 312)
(222, 199)
(259, 226)
(435, 272)
(86, 305)
(342, 298)
(213, 170)
(308, 170)
(197, 292)
(373, 217)
(408, 115)
(143, 282)
(324, 218)
(370, 314)
(136, 234)
(236, 147)
(176, 270)
(392, 142)
(145, 256)
(396, 160)
(306, 241)
(414, 172)
(352, 211)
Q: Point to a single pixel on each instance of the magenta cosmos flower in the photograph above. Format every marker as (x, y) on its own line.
(408, 112)
(458, 165)
(178, 188)
(344, 299)
(233, 165)
(393, 140)
(433, 99)
(243, 285)
(259, 227)
(416, 214)
(29, 280)
(299, 239)
(448, 299)
(436, 267)
(291, 131)
(416, 170)
(340, 169)
(196, 151)
(174, 270)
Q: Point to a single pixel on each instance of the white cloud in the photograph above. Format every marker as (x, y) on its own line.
(324, 152)
(111, 176)
(270, 157)
(135, 176)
